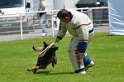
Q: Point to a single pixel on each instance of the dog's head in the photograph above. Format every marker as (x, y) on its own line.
(52, 48)
(39, 49)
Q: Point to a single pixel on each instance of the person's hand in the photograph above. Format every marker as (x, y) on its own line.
(57, 40)
(82, 54)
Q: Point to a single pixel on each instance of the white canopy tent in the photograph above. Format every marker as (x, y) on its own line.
(116, 17)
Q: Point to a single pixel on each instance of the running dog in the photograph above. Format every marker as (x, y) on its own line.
(49, 57)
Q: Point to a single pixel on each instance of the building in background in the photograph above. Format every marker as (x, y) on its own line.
(70, 4)
(57, 4)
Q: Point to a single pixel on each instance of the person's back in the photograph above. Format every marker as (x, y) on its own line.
(81, 18)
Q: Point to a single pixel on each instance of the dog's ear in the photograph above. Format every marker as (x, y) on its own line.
(45, 44)
(38, 49)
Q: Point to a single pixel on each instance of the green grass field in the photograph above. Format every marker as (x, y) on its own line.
(106, 51)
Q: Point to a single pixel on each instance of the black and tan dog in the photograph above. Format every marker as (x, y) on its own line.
(43, 62)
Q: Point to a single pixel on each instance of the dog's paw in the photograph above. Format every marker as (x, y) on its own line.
(29, 69)
(32, 70)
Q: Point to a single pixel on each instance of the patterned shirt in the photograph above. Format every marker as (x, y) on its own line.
(79, 25)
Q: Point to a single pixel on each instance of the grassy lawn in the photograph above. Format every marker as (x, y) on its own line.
(106, 51)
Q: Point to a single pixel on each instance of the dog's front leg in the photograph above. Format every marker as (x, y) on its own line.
(54, 61)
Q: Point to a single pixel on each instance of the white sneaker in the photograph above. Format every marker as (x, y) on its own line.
(90, 65)
(82, 72)
(44, 34)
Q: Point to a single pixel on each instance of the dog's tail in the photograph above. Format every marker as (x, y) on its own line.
(38, 49)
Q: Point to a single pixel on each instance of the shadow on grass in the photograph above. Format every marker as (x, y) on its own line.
(48, 73)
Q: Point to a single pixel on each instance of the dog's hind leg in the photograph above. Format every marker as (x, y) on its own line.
(33, 69)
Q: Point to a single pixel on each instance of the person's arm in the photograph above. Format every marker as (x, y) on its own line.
(61, 32)
(83, 35)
